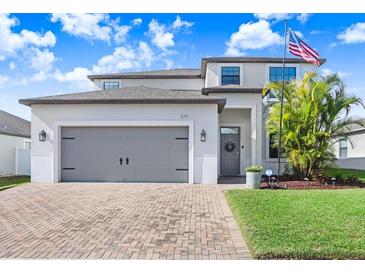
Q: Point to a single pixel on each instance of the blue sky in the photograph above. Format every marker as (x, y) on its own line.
(45, 54)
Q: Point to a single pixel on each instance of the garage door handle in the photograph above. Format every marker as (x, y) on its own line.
(121, 161)
(127, 161)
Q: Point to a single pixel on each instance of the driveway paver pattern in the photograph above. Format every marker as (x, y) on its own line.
(118, 221)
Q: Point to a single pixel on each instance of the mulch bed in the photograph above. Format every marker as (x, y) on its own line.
(300, 184)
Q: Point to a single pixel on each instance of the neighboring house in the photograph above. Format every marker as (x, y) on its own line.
(352, 155)
(179, 125)
(15, 145)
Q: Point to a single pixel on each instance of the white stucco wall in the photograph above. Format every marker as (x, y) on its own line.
(180, 84)
(48, 117)
(7, 152)
(253, 75)
(358, 146)
(356, 153)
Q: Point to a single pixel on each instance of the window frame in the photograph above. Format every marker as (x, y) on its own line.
(279, 75)
(236, 130)
(269, 137)
(230, 67)
(111, 82)
(340, 148)
(297, 67)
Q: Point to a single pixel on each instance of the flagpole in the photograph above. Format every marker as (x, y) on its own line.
(282, 100)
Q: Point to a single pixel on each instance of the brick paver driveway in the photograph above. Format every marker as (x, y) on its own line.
(141, 221)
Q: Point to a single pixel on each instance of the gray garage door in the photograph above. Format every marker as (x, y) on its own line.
(124, 154)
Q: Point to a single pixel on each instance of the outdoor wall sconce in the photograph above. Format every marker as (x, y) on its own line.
(203, 136)
(42, 136)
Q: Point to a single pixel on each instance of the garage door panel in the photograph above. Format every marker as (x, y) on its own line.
(154, 154)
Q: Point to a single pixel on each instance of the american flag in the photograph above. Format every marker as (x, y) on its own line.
(298, 48)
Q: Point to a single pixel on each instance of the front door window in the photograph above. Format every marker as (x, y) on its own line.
(230, 151)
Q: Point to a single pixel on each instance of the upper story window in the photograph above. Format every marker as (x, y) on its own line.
(111, 85)
(230, 75)
(343, 148)
(276, 74)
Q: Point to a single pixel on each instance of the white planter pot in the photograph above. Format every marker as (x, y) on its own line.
(253, 179)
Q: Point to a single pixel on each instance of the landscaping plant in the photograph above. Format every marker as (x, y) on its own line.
(315, 116)
(254, 168)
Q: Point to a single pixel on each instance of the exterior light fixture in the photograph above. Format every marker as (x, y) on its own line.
(42, 136)
(203, 136)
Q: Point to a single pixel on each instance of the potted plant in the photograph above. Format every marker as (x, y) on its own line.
(253, 174)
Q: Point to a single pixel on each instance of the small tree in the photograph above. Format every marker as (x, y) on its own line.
(315, 116)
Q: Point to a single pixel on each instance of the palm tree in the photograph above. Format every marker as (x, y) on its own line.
(315, 116)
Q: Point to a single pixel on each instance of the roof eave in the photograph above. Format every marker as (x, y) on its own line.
(14, 134)
(219, 101)
(110, 76)
(207, 91)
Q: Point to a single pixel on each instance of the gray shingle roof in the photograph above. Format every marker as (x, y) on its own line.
(357, 128)
(129, 95)
(13, 125)
(152, 74)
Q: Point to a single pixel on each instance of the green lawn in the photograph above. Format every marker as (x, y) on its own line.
(333, 172)
(301, 224)
(11, 181)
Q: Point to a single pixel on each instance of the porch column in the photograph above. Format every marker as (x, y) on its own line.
(256, 135)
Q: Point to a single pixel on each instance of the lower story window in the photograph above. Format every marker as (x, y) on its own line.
(343, 148)
(273, 151)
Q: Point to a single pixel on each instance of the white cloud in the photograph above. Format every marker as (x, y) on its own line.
(161, 38)
(77, 74)
(251, 36)
(89, 26)
(303, 17)
(355, 34)
(342, 74)
(317, 32)
(11, 42)
(42, 62)
(273, 16)
(145, 53)
(3, 79)
(168, 63)
(12, 66)
(178, 23)
(299, 34)
(137, 21)
(120, 31)
(123, 58)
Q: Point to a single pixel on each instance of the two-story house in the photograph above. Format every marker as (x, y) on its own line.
(179, 125)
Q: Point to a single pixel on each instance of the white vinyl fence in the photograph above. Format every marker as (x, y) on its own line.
(22, 161)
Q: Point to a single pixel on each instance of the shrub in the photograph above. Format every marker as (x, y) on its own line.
(254, 168)
(353, 179)
(315, 116)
